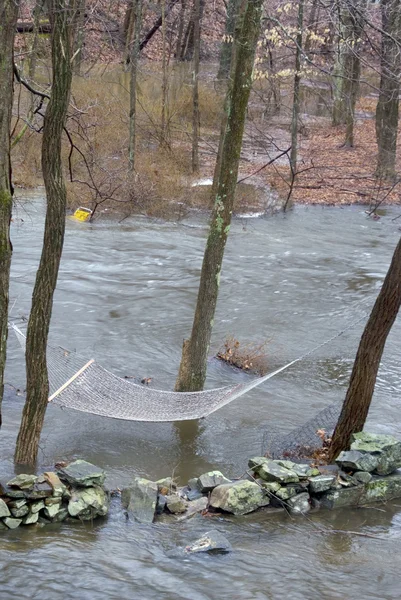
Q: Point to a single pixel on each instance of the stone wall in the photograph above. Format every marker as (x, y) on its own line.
(75, 491)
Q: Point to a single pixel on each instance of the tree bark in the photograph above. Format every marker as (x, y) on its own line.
(137, 8)
(37, 11)
(233, 8)
(363, 378)
(297, 85)
(8, 19)
(195, 91)
(387, 111)
(62, 16)
(79, 37)
(192, 371)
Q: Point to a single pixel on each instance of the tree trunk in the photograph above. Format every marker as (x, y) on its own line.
(192, 371)
(297, 85)
(351, 22)
(180, 33)
(163, 138)
(195, 91)
(8, 20)
(62, 16)
(133, 80)
(363, 378)
(226, 48)
(37, 12)
(79, 37)
(388, 104)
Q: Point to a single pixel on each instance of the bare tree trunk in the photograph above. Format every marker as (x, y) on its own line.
(351, 22)
(8, 19)
(62, 15)
(37, 11)
(133, 81)
(79, 37)
(297, 85)
(192, 371)
(164, 78)
(363, 378)
(387, 110)
(233, 8)
(180, 33)
(196, 114)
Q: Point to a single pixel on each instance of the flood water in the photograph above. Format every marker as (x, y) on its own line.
(126, 297)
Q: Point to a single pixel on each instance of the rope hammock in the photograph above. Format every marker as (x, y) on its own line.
(90, 388)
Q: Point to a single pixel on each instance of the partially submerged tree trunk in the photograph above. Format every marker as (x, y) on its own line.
(387, 111)
(192, 371)
(8, 20)
(134, 54)
(195, 91)
(233, 7)
(363, 378)
(62, 16)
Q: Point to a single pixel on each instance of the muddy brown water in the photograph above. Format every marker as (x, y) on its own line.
(126, 296)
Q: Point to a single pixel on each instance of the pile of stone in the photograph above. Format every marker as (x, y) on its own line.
(367, 473)
(74, 491)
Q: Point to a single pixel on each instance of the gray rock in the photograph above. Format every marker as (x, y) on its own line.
(257, 461)
(193, 483)
(321, 483)
(208, 481)
(2, 526)
(269, 486)
(196, 506)
(362, 477)
(285, 493)
(4, 510)
(17, 503)
(88, 503)
(381, 489)
(357, 461)
(175, 504)
(18, 513)
(140, 500)
(31, 519)
(82, 473)
(270, 470)
(212, 541)
(23, 482)
(239, 498)
(12, 523)
(342, 497)
(300, 504)
(303, 471)
(61, 515)
(192, 495)
(37, 506)
(52, 510)
(386, 448)
(39, 490)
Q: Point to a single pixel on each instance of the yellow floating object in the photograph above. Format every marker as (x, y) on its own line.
(82, 214)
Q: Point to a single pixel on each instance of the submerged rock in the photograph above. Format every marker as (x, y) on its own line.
(382, 489)
(140, 499)
(82, 473)
(239, 498)
(86, 504)
(212, 541)
(341, 497)
(208, 481)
